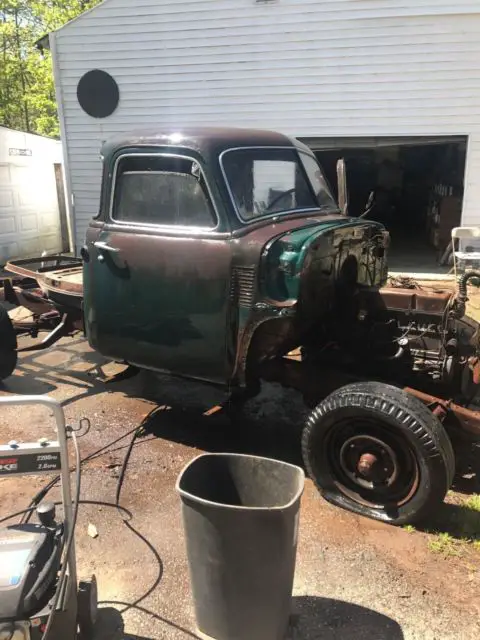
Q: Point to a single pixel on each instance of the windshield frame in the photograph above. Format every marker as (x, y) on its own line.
(286, 212)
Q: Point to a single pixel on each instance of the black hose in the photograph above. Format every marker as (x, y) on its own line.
(126, 459)
(462, 296)
(43, 492)
(140, 431)
(100, 503)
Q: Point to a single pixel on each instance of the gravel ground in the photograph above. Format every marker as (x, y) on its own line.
(355, 578)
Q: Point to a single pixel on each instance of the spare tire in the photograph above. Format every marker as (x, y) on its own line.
(8, 345)
(375, 450)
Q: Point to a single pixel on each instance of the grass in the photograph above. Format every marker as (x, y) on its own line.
(445, 544)
(409, 528)
(473, 503)
(457, 528)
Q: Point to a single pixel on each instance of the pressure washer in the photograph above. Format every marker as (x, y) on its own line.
(40, 596)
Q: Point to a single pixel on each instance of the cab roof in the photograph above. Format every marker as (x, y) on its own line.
(206, 141)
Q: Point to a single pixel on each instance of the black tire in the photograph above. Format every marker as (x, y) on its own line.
(8, 345)
(87, 607)
(375, 450)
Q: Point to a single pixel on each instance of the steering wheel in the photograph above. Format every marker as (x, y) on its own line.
(279, 197)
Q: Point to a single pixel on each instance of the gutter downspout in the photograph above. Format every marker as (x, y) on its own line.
(63, 135)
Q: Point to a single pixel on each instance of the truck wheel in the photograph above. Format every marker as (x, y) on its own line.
(8, 345)
(379, 452)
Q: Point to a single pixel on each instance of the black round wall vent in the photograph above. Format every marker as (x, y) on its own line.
(98, 93)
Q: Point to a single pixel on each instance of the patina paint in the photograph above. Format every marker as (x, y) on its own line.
(188, 301)
(162, 301)
(330, 241)
(303, 260)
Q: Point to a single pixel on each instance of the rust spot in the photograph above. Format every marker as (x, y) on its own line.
(440, 412)
(366, 464)
(212, 410)
(474, 365)
(468, 419)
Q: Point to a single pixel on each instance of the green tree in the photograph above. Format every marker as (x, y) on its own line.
(27, 93)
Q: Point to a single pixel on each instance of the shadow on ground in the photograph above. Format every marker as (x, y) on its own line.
(313, 618)
(269, 436)
(329, 619)
(468, 484)
(458, 520)
(110, 625)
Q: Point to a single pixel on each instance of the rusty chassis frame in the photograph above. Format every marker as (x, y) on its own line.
(23, 288)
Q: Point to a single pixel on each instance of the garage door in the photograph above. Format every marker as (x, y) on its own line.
(29, 213)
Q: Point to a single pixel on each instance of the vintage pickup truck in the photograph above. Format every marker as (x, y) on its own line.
(221, 255)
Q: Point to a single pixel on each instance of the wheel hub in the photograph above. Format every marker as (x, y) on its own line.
(367, 465)
(369, 461)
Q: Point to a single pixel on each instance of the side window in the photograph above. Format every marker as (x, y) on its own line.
(161, 190)
(271, 179)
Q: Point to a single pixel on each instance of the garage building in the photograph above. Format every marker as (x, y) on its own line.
(392, 86)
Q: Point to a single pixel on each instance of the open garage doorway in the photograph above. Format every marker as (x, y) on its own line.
(414, 186)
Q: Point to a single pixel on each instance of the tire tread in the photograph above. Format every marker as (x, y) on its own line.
(410, 414)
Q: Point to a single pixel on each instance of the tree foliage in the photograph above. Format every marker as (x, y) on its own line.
(27, 93)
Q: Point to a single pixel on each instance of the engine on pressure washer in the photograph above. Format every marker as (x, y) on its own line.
(29, 562)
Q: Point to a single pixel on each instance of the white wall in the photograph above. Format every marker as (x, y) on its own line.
(29, 215)
(304, 67)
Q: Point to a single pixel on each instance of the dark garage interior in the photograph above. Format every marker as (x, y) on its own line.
(414, 186)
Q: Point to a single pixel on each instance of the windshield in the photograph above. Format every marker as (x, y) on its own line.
(275, 180)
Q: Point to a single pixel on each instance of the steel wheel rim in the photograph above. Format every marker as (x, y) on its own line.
(372, 464)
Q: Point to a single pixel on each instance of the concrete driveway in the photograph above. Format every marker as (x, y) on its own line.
(355, 579)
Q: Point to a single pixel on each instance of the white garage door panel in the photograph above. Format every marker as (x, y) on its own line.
(29, 213)
(28, 246)
(50, 243)
(28, 223)
(48, 224)
(6, 198)
(8, 249)
(7, 224)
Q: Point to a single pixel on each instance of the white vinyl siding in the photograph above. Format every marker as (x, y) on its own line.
(310, 68)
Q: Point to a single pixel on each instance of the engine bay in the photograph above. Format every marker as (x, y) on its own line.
(411, 336)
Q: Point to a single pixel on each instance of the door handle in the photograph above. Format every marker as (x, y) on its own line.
(103, 246)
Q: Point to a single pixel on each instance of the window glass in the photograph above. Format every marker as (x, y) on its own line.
(162, 190)
(318, 181)
(272, 181)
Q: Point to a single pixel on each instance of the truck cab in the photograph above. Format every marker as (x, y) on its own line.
(215, 249)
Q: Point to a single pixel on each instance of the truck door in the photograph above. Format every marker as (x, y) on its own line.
(157, 277)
